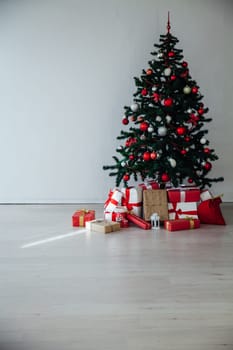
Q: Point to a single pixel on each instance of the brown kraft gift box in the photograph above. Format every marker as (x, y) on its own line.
(155, 201)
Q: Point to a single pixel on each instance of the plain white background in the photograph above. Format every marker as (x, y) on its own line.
(66, 72)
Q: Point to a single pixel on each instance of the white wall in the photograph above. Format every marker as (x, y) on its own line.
(66, 71)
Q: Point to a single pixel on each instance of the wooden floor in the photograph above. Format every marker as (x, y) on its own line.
(134, 289)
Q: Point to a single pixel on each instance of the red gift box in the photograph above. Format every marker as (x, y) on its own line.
(139, 221)
(118, 214)
(189, 194)
(80, 217)
(181, 224)
(151, 184)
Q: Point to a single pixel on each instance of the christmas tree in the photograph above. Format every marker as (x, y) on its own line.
(167, 141)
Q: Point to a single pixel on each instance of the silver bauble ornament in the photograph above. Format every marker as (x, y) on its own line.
(160, 55)
(154, 88)
(167, 72)
(202, 140)
(189, 110)
(150, 129)
(143, 137)
(187, 90)
(158, 118)
(123, 163)
(168, 119)
(162, 131)
(150, 105)
(134, 107)
(172, 162)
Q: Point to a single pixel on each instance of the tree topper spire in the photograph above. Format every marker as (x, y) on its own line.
(168, 22)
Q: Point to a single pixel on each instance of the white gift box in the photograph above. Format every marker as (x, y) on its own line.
(114, 199)
(132, 199)
(182, 210)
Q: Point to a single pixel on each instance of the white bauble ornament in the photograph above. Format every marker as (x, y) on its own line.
(167, 72)
(160, 55)
(154, 88)
(162, 131)
(202, 140)
(158, 118)
(143, 137)
(189, 110)
(123, 163)
(134, 107)
(187, 90)
(172, 162)
(168, 119)
(150, 129)
(150, 105)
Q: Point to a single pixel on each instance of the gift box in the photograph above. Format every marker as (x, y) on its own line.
(182, 210)
(118, 214)
(139, 221)
(80, 217)
(102, 226)
(150, 184)
(188, 194)
(114, 199)
(132, 200)
(181, 224)
(155, 201)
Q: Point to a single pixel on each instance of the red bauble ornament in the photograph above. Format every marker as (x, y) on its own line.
(184, 74)
(126, 177)
(181, 130)
(165, 177)
(187, 138)
(201, 111)
(184, 64)
(144, 92)
(194, 89)
(146, 156)
(168, 102)
(156, 97)
(183, 152)
(208, 166)
(144, 126)
(125, 121)
(173, 77)
(190, 180)
(206, 150)
(171, 54)
(131, 157)
(153, 155)
(149, 71)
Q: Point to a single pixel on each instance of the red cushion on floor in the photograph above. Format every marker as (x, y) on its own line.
(209, 212)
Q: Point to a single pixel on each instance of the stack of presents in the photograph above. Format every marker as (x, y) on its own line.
(150, 207)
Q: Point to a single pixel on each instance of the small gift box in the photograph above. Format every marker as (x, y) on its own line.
(118, 214)
(102, 226)
(155, 201)
(139, 221)
(80, 217)
(181, 224)
(182, 210)
(149, 185)
(132, 199)
(114, 199)
(188, 194)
